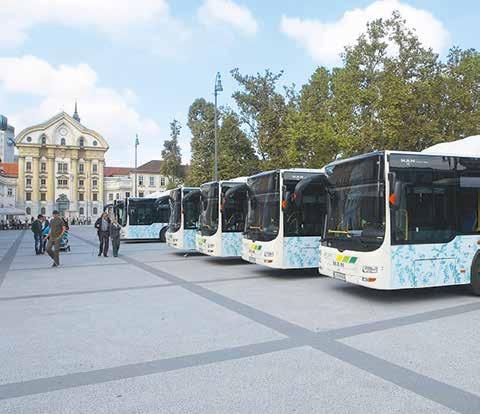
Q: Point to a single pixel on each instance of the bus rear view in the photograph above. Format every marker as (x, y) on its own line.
(400, 220)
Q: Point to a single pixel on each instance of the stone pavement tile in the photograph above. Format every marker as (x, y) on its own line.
(446, 349)
(60, 335)
(299, 380)
(66, 259)
(320, 303)
(84, 278)
(199, 267)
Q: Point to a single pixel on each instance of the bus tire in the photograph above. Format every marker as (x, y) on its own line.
(163, 238)
(475, 276)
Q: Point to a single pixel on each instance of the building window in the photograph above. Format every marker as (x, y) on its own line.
(28, 166)
(29, 139)
(81, 183)
(162, 181)
(43, 182)
(43, 167)
(95, 143)
(94, 183)
(10, 192)
(81, 210)
(82, 142)
(95, 210)
(62, 182)
(127, 194)
(28, 196)
(95, 197)
(110, 196)
(140, 180)
(62, 141)
(43, 211)
(140, 194)
(95, 168)
(80, 196)
(117, 196)
(152, 181)
(29, 182)
(28, 210)
(81, 168)
(62, 167)
(44, 140)
(43, 196)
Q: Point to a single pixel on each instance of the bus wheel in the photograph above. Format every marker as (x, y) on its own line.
(162, 235)
(475, 277)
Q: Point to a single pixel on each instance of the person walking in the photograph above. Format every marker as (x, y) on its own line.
(103, 230)
(54, 236)
(37, 228)
(115, 236)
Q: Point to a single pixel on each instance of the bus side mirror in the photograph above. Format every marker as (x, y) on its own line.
(396, 197)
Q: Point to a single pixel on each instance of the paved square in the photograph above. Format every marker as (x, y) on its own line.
(155, 331)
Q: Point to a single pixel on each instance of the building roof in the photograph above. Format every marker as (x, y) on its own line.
(9, 168)
(152, 167)
(111, 171)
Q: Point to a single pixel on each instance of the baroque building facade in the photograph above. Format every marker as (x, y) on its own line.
(61, 166)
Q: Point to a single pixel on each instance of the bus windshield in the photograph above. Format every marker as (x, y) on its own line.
(234, 207)
(264, 207)
(143, 212)
(209, 209)
(191, 208)
(119, 211)
(307, 218)
(356, 208)
(175, 221)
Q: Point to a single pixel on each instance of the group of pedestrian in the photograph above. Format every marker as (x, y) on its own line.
(47, 235)
(108, 229)
(14, 224)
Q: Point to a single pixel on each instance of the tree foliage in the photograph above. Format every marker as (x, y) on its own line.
(236, 156)
(390, 92)
(172, 157)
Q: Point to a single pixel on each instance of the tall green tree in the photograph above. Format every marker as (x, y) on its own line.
(172, 157)
(236, 156)
(262, 110)
(310, 124)
(387, 94)
(201, 117)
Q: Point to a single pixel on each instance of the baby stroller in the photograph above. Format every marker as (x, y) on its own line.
(64, 244)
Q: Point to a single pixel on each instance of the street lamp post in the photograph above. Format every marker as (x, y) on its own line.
(218, 88)
(137, 143)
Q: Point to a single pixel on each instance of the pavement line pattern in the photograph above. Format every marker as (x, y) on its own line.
(61, 382)
(8, 257)
(119, 289)
(424, 386)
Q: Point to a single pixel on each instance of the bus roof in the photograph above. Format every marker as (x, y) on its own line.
(239, 180)
(466, 147)
(280, 170)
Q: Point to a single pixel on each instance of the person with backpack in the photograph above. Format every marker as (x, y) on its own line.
(37, 228)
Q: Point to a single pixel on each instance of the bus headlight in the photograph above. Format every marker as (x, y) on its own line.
(268, 254)
(370, 269)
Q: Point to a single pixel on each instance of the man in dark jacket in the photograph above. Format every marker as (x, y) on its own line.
(115, 230)
(37, 228)
(103, 230)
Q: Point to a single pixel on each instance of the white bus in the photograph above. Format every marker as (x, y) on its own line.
(400, 220)
(143, 218)
(185, 210)
(222, 217)
(281, 231)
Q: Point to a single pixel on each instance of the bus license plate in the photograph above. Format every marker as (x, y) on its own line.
(339, 276)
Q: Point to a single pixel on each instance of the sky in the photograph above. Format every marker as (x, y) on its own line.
(135, 65)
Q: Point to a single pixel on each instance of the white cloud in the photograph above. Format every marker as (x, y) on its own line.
(124, 19)
(109, 112)
(326, 40)
(230, 13)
